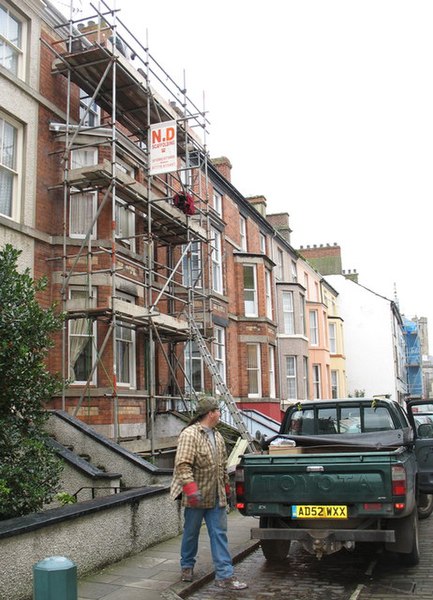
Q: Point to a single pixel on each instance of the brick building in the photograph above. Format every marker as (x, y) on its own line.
(145, 260)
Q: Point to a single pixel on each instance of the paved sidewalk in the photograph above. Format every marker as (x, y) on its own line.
(155, 573)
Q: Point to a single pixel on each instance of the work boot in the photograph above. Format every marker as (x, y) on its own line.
(231, 583)
(187, 574)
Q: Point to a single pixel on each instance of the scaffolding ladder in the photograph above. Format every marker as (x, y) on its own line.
(219, 382)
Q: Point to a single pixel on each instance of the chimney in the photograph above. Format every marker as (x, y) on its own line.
(280, 222)
(259, 203)
(223, 166)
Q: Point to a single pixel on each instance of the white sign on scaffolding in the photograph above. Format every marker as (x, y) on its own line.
(162, 148)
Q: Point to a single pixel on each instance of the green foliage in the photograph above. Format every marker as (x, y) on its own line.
(65, 498)
(29, 469)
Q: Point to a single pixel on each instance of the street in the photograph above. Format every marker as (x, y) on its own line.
(365, 574)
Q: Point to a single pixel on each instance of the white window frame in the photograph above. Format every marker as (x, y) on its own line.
(317, 385)
(262, 243)
(93, 117)
(272, 374)
(288, 313)
(125, 224)
(243, 233)
(18, 47)
(314, 328)
(217, 202)
(291, 378)
(333, 338)
(334, 384)
(80, 329)
(305, 377)
(219, 350)
(83, 157)
(268, 293)
(302, 314)
(280, 264)
(11, 167)
(192, 266)
(254, 371)
(250, 294)
(192, 355)
(217, 266)
(86, 201)
(123, 342)
(294, 272)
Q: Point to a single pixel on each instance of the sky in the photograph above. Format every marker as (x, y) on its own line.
(325, 107)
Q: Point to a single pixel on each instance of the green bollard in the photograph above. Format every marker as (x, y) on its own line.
(55, 578)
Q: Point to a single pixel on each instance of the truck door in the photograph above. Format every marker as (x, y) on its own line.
(420, 413)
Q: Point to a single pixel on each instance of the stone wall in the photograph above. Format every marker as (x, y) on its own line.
(92, 534)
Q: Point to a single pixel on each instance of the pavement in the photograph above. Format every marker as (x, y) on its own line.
(155, 573)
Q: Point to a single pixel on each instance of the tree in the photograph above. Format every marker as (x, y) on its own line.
(29, 468)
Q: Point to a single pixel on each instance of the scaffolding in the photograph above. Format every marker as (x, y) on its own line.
(134, 258)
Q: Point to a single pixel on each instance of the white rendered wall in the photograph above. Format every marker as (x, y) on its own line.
(367, 338)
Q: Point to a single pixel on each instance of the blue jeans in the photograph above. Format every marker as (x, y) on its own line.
(216, 523)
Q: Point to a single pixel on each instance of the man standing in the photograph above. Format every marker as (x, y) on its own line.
(200, 475)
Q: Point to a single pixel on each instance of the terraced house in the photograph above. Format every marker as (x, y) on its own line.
(173, 283)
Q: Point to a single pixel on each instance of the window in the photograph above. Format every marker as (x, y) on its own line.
(12, 38)
(332, 338)
(253, 371)
(243, 232)
(82, 210)
(305, 377)
(82, 339)
(93, 116)
(302, 314)
(268, 293)
(334, 384)
(272, 386)
(316, 382)
(125, 348)
(288, 313)
(292, 386)
(250, 291)
(193, 368)
(220, 351)
(217, 268)
(125, 224)
(191, 266)
(280, 264)
(217, 203)
(262, 243)
(84, 157)
(10, 138)
(185, 175)
(294, 272)
(314, 333)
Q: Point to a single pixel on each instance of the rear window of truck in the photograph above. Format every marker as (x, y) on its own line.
(337, 420)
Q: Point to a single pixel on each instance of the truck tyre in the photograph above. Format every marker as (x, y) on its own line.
(274, 550)
(411, 558)
(425, 505)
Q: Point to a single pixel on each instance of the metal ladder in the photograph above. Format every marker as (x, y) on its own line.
(219, 382)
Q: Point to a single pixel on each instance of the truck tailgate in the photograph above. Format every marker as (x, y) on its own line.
(347, 477)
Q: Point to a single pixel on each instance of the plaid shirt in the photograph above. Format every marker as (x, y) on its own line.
(197, 461)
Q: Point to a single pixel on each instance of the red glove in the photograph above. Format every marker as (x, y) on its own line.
(228, 493)
(192, 493)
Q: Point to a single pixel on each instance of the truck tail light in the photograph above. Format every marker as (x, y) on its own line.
(399, 487)
(240, 488)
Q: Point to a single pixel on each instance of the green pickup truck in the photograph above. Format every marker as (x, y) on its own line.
(341, 472)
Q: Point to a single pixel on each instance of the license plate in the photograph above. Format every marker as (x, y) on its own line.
(308, 511)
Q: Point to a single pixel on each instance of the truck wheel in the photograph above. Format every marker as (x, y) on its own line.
(274, 550)
(425, 505)
(411, 559)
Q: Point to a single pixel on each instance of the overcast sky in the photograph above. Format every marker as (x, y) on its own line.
(326, 108)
